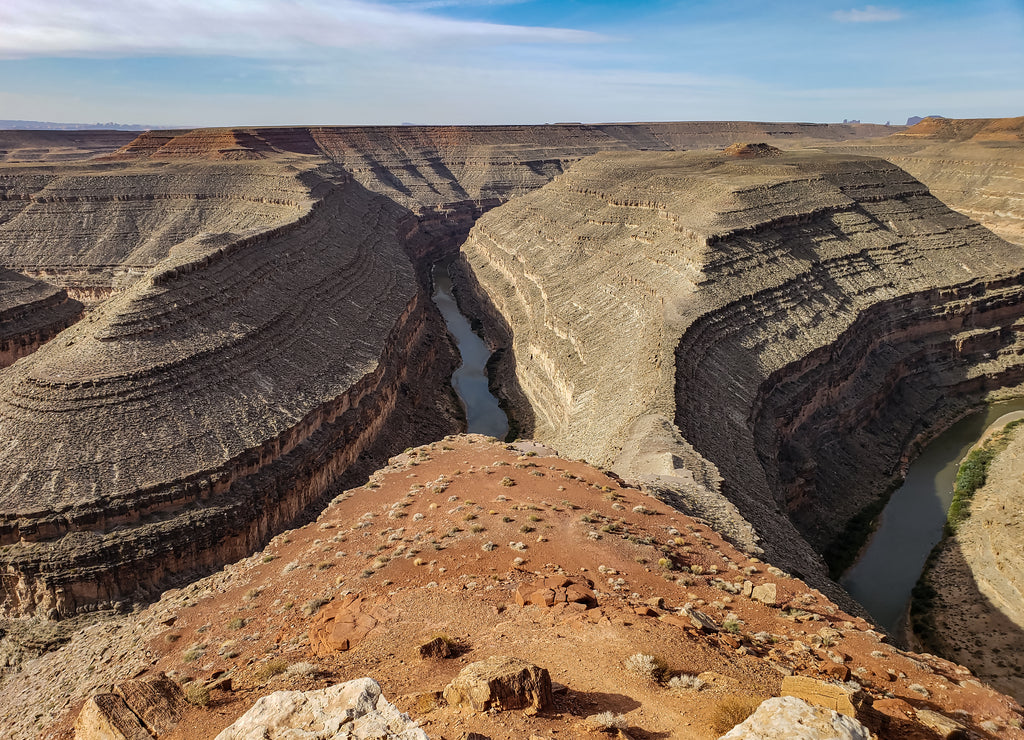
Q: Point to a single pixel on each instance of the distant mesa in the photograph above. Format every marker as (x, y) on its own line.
(752, 151)
(914, 120)
(54, 126)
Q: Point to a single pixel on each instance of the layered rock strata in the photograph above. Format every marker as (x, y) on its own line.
(769, 334)
(208, 405)
(975, 166)
(60, 146)
(95, 229)
(258, 330)
(31, 313)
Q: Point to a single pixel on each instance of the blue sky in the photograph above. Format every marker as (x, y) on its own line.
(277, 62)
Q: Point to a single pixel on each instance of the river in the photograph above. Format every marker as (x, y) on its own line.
(911, 524)
(483, 414)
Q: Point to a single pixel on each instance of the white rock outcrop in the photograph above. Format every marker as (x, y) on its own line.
(789, 718)
(354, 710)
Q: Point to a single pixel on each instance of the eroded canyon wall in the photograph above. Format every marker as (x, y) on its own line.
(94, 229)
(188, 418)
(31, 313)
(771, 332)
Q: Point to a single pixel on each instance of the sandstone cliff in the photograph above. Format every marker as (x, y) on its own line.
(209, 404)
(770, 333)
(31, 313)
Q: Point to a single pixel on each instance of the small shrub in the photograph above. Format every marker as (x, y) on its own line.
(193, 654)
(608, 721)
(312, 606)
(236, 624)
(273, 667)
(302, 669)
(685, 682)
(269, 558)
(648, 666)
(507, 482)
(197, 695)
(172, 637)
(732, 710)
(526, 528)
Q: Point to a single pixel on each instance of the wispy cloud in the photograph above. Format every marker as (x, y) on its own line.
(257, 28)
(868, 14)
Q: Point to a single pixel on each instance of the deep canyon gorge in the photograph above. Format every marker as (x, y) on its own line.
(207, 335)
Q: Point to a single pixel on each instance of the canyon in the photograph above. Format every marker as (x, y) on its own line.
(210, 334)
(259, 321)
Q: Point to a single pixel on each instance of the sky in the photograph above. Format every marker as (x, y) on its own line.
(280, 62)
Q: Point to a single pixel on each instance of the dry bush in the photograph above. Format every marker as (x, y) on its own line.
(271, 668)
(197, 694)
(608, 721)
(732, 710)
(648, 666)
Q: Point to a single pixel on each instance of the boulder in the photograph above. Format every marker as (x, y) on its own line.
(139, 709)
(342, 625)
(553, 590)
(156, 700)
(435, 649)
(829, 695)
(500, 682)
(941, 725)
(790, 718)
(766, 593)
(699, 619)
(354, 710)
(107, 717)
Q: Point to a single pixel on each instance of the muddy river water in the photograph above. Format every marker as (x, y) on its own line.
(911, 524)
(483, 415)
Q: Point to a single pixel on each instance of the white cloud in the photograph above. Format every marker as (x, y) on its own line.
(255, 28)
(868, 14)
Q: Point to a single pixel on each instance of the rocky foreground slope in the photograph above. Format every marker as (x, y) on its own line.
(461, 539)
(770, 331)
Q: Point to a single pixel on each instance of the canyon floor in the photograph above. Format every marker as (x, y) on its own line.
(438, 543)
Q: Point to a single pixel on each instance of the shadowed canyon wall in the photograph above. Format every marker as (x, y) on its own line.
(764, 337)
(31, 313)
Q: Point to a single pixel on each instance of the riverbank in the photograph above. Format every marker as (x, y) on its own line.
(912, 523)
(969, 603)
